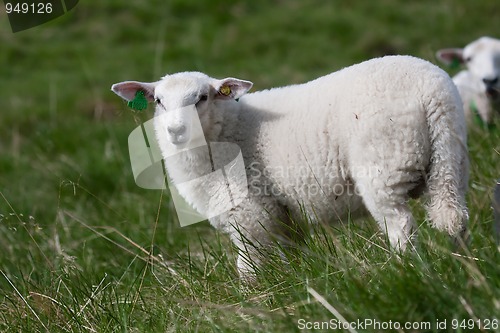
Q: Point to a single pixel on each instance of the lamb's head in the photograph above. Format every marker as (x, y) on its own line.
(186, 99)
(482, 59)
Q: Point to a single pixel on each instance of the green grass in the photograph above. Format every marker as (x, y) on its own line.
(76, 233)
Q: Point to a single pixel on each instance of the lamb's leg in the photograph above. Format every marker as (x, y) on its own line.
(253, 239)
(249, 256)
(388, 204)
(252, 242)
(396, 220)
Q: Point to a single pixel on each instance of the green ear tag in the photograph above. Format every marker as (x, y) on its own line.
(139, 103)
(455, 63)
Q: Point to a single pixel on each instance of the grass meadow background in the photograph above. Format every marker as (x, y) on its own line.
(83, 249)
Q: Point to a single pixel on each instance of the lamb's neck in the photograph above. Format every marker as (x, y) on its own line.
(188, 164)
(227, 122)
(277, 101)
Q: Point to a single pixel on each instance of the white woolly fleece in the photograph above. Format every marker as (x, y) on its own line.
(365, 138)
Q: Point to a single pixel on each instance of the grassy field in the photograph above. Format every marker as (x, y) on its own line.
(83, 249)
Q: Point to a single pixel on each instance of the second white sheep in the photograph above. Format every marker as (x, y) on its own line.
(479, 84)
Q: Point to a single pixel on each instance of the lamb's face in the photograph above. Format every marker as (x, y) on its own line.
(181, 100)
(187, 103)
(482, 59)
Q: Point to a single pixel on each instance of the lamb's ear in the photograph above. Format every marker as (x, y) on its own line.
(128, 89)
(231, 88)
(451, 57)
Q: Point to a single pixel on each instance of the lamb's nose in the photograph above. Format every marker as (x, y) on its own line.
(176, 130)
(490, 82)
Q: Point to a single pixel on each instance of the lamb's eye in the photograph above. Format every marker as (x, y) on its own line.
(157, 100)
(203, 97)
(468, 59)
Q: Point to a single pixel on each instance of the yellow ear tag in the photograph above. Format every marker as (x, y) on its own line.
(225, 90)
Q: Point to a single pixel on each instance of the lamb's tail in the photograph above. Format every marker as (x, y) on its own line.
(448, 174)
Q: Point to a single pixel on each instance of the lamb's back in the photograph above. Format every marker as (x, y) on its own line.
(379, 104)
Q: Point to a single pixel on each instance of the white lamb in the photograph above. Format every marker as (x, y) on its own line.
(479, 85)
(369, 136)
